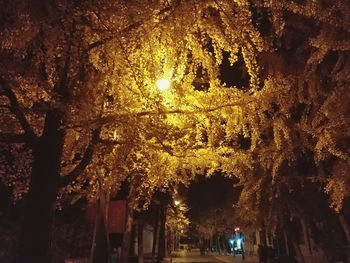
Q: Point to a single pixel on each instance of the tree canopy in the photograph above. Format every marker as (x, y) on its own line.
(78, 96)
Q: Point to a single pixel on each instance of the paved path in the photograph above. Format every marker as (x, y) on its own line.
(194, 257)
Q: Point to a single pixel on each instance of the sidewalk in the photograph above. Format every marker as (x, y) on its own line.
(194, 256)
(237, 259)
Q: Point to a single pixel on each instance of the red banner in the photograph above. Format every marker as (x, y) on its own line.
(116, 216)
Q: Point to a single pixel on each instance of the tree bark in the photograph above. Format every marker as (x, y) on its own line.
(92, 250)
(307, 238)
(128, 229)
(161, 243)
(155, 235)
(286, 242)
(210, 243)
(43, 189)
(140, 242)
(298, 252)
(101, 247)
(100, 250)
(345, 227)
(223, 244)
(219, 244)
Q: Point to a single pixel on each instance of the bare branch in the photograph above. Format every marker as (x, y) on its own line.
(67, 179)
(17, 111)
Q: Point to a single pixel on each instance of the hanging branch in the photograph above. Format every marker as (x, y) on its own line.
(67, 179)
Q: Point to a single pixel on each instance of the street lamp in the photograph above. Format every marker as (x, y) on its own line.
(163, 84)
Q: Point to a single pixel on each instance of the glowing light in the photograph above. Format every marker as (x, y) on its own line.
(176, 202)
(239, 243)
(163, 84)
(231, 241)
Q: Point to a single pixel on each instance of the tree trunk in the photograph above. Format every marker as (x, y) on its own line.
(221, 247)
(210, 243)
(101, 247)
(155, 235)
(42, 194)
(140, 242)
(161, 243)
(100, 251)
(92, 250)
(307, 238)
(345, 227)
(286, 242)
(224, 245)
(128, 229)
(298, 252)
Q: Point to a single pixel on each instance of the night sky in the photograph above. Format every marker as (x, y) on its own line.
(210, 192)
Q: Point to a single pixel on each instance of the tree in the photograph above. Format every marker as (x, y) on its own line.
(177, 222)
(296, 139)
(58, 86)
(212, 214)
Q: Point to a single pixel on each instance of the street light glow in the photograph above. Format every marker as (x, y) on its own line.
(177, 202)
(163, 84)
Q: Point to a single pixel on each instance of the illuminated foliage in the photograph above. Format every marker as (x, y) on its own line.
(78, 87)
(177, 221)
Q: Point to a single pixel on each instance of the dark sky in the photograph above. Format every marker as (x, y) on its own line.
(210, 192)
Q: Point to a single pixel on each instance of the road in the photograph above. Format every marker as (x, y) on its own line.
(194, 257)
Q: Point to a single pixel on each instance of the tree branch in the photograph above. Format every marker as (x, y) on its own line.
(61, 85)
(119, 117)
(67, 179)
(110, 142)
(17, 111)
(115, 36)
(131, 27)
